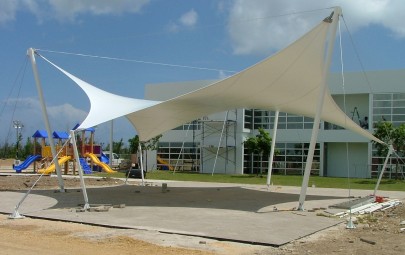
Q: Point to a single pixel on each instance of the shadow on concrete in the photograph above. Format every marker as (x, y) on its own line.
(231, 198)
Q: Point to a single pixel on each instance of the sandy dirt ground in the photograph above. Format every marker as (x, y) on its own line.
(378, 233)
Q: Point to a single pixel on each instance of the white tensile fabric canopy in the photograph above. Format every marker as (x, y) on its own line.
(105, 106)
(289, 81)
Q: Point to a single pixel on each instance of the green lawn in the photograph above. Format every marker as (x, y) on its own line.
(284, 180)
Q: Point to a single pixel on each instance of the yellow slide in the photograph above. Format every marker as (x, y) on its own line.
(161, 161)
(103, 165)
(51, 168)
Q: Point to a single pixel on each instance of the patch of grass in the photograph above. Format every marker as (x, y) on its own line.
(374, 181)
(281, 180)
(368, 218)
(324, 215)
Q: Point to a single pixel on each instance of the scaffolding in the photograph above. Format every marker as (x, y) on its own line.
(218, 140)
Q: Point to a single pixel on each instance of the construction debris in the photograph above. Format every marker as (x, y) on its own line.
(369, 208)
(367, 241)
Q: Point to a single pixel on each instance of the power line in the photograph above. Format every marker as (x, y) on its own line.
(137, 61)
(357, 56)
(197, 28)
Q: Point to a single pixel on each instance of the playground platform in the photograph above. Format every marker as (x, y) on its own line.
(238, 213)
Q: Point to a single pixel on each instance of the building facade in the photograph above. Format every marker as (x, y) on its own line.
(214, 143)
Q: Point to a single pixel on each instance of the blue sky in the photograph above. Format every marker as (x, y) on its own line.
(217, 34)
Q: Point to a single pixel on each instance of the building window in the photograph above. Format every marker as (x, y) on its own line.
(194, 125)
(172, 155)
(291, 159)
(255, 119)
(395, 167)
(389, 107)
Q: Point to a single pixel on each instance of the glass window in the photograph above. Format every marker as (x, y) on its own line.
(382, 97)
(382, 104)
(289, 160)
(398, 103)
(382, 111)
(399, 96)
(170, 156)
(294, 125)
(398, 118)
(389, 107)
(398, 111)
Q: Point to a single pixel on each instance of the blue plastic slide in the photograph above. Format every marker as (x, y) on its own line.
(104, 158)
(30, 159)
(86, 168)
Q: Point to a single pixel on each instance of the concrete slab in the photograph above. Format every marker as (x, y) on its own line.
(220, 211)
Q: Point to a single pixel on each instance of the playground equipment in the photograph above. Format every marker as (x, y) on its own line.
(30, 159)
(165, 165)
(96, 161)
(115, 159)
(104, 158)
(86, 167)
(42, 154)
(51, 168)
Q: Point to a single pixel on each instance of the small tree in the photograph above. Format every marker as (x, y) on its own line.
(117, 146)
(28, 148)
(386, 132)
(133, 144)
(151, 144)
(251, 145)
(260, 144)
(264, 144)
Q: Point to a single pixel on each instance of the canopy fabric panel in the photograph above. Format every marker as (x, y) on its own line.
(105, 106)
(289, 81)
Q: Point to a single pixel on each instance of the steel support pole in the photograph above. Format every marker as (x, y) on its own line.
(141, 161)
(390, 150)
(315, 129)
(272, 149)
(80, 169)
(31, 53)
(111, 142)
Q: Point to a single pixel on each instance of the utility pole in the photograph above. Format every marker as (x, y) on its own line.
(18, 126)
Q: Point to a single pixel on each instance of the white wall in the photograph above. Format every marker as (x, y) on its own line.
(337, 164)
(222, 165)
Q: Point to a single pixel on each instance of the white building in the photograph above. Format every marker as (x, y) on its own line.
(214, 143)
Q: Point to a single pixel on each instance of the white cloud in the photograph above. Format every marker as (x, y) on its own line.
(66, 9)
(172, 27)
(70, 9)
(186, 20)
(61, 117)
(28, 111)
(256, 27)
(66, 113)
(8, 8)
(189, 19)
